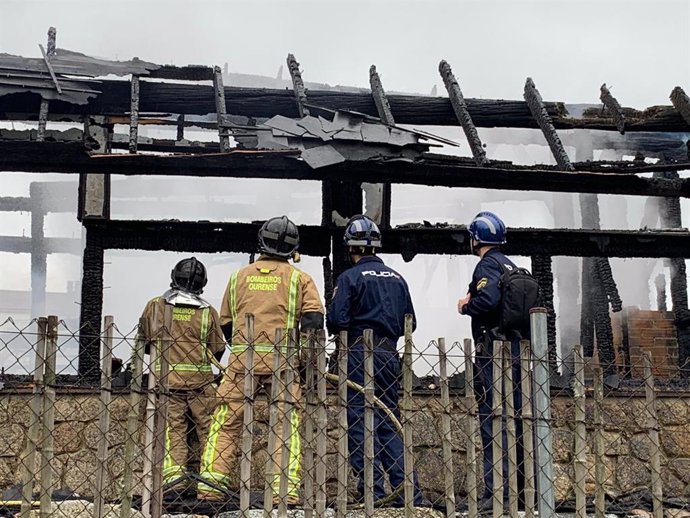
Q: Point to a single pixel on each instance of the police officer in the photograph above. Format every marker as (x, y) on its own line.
(280, 297)
(482, 303)
(370, 295)
(195, 336)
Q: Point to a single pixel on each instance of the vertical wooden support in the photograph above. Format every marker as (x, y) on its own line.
(497, 426)
(408, 456)
(161, 414)
(132, 422)
(134, 115)
(368, 423)
(321, 424)
(249, 388)
(42, 120)
(341, 509)
(297, 85)
(579, 456)
(472, 478)
(653, 431)
(103, 418)
(308, 426)
(511, 433)
(542, 118)
(28, 460)
(599, 471)
(457, 101)
(43, 110)
(277, 389)
(614, 108)
(219, 91)
(289, 403)
(48, 414)
(180, 127)
(150, 423)
(386, 116)
(527, 425)
(542, 410)
(446, 428)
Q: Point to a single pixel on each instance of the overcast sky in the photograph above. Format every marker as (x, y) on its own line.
(640, 48)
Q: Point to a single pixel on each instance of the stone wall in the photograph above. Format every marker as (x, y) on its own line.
(627, 447)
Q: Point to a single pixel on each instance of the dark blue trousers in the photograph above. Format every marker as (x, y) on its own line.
(483, 387)
(388, 444)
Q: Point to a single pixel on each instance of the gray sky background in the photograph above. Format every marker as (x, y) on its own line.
(640, 48)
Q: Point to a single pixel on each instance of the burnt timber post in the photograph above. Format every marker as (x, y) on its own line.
(94, 204)
(39, 256)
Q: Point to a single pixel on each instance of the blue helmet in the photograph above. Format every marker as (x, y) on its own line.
(488, 229)
(362, 231)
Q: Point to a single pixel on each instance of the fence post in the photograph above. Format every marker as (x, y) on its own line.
(653, 429)
(133, 421)
(446, 428)
(341, 509)
(497, 426)
(527, 425)
(147, 470)
(542, 408)
(28, 464)
(104, 416)
(276, 389)
(511, 432)
(368, 423)
(161, 415)
(321, 424)
(472, 479)
(599, 473)
(308, 426)
(48, 425)
(287, 428)
(248, 421)
(579, 458)
(408, 457)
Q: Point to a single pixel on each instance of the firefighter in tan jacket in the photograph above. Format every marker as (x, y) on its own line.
(280, 297)
(195, 336)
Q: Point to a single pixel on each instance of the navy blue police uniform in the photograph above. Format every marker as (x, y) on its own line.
(370, 295)
(484, 308)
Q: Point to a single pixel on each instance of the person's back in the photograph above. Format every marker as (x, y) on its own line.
(484, 304)
(194, 337)
(279, 296)
(370, 295)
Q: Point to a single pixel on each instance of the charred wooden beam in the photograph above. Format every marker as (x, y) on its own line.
(386, 116)
(220, 109)
(408, 109)
(71, 158)
(541, 116)
(460, 108)
(297, 85)
(614, 108)
(542, 271)
(204, 236)
(134, 115)
(91, 309)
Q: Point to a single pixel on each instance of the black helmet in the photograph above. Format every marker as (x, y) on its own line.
(362, 231)
(189, 275)
(279, 237)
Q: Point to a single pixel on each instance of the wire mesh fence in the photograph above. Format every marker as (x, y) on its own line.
(350, 424)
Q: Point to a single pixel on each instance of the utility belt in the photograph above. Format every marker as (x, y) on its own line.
(484, 341)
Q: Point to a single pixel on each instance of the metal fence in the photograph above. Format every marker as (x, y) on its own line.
(285, 428)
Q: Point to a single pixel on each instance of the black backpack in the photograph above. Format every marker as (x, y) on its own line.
(519, 293)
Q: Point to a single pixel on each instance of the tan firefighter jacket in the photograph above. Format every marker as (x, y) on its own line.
(277, 294)
(196, 335)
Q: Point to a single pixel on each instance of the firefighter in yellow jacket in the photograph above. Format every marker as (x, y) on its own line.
(195, 336)
(280, 297)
